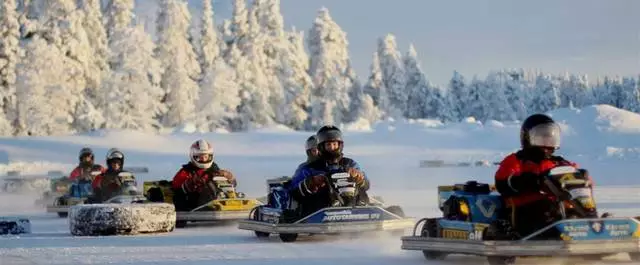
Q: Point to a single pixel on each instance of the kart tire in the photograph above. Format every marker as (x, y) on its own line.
(155, 195)
(430, 229)
(63, 214)
(499, 230)
(14, 226)
(288, 237)
(262, 234)
(181, 224)
(117, 219)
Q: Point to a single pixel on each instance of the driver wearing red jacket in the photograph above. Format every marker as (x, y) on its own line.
(520, 175)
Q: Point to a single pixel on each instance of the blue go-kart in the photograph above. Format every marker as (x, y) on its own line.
(475, 222)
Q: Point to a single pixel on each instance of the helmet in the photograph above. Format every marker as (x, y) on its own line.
(201, 154)
(86, 151)
(312, 142)
(540, 130)
(115, 154)
(326, 134)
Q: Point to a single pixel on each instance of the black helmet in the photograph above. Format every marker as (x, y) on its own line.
(312, 142)
(539, 130)
(86, 151)
(329, 133)
(115, 154)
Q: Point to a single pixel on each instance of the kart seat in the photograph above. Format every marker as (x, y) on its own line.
(475, 187)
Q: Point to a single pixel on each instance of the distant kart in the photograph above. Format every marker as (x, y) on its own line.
(129, 212)
(282, 215)
(224, 204)
(70, 193)
(16, 182)
(475, 222)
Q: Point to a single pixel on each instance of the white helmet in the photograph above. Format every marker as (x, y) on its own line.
(198, 149)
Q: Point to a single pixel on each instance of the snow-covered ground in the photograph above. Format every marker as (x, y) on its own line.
(602, 139)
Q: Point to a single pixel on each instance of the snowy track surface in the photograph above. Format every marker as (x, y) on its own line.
(51, 243)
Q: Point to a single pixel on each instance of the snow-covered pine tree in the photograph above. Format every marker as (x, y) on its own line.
(9, 58)
(42, 93)
(133, 91)
(458, 96)
(118, 16)
(515, 93)
(546, 95)
(393, 74)
(375, 86)
(417, 85)
(498, 106)
(477, 106)
(437, 105)
(296, 83)
(179, 63)
(97, 68)
(239, 24)
(219, 98)
(209, 41)
(329, 69)
(61, 25)
(629, 98)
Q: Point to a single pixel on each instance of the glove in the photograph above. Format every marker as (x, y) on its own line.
(314, 183)
(357, 175)
(227, 174)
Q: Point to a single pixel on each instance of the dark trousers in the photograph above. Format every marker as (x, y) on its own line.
(185, 201)
(529, 218)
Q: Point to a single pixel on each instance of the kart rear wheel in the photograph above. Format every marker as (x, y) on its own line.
(63, 214)
(261, 234)
(288, 237)
(499, 230)
(430, 229)
(181, 224)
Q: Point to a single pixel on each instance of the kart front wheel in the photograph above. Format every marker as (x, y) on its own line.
(288, 237)
(430, 229)
(261, 234)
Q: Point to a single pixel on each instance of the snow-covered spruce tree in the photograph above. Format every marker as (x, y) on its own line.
(296, 83)
(133, 89)
(219, 98)
(179, 63)
(9, 58)
(209, 48)
(630, 96)
(375, 86)
(330, 71)
(437, 105)
(546, 95)
(43, 95)
(477, 106)
(515, 88)
(239, 26)
(458, 96)
(498, 107)
(97, 67)
(393, 74)
(118, 16)
(61, 25)
(417, 85)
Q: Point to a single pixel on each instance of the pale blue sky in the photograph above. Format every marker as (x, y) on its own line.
(594, 37)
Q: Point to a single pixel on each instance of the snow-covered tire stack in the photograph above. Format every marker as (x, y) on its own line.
(14, 226)
(119, 219)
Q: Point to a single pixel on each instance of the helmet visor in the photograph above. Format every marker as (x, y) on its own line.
(545, 135)
(203, 158)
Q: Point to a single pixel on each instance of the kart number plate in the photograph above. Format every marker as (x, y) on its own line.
(582, 192)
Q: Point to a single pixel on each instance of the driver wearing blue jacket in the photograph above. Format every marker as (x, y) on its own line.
(309, 187)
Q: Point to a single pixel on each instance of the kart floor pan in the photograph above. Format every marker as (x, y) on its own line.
(211, 215)
(522, 247)
(326, 228)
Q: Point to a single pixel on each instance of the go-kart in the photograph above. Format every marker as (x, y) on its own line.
(126, 211)
(346, 214)
(475, 222)
(77, 192)
(219, 202)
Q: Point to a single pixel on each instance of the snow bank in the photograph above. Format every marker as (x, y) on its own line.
(109, 219)
(14, 225)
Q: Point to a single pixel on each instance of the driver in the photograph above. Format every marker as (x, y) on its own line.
(85, 166)
(107, 184)
(190, 181)
(519, 176)
(308, 185)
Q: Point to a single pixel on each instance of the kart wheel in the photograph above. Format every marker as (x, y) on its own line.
(430, 229)
(261, 234)
(155, 195)
(288, 237)
(63, 214)
(498, 260)
(181, 224)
